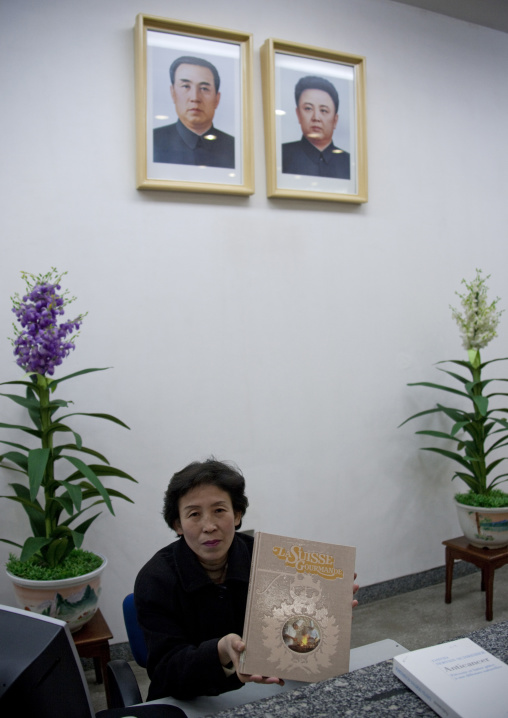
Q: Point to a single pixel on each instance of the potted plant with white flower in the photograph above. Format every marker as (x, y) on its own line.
(478, 425)
(61, 478)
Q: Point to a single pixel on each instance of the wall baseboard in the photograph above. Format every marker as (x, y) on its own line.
(413, 582)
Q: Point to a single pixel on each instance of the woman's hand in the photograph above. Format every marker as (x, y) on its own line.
(230, 648)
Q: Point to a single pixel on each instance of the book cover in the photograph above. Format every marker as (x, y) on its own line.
(299, 609)
(458, 679)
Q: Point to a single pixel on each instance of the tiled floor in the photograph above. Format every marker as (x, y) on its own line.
(415, 619)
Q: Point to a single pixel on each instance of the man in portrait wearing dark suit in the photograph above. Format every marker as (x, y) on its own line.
(317, 110)
(193, 140)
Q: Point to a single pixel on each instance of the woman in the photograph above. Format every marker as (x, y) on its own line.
(191, 596)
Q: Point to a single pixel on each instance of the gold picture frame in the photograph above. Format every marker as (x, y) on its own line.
(174, 148)
(297, 164)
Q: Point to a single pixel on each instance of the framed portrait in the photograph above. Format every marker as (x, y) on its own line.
(193, 107)
(315, 131)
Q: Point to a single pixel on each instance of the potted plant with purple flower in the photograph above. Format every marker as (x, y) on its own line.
(62, 478)
(479, 428)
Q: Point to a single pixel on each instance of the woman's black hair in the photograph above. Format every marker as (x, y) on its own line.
(216, 473)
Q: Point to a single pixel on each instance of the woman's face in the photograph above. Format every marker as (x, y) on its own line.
(207, 522)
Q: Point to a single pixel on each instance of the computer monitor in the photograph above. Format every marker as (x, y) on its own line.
(40, 671)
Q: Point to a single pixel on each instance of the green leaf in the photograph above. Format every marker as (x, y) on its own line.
(26, 403)
(16, 458)
(83, 528)
(438, 435)
(456, 414)
(33, 545)
(66, 503)
(458, 426)
(74, 493)
(74, 447)
(75, 516)
(12, 543)
(16, 446)
(56, 426)
(100, 470)
(33, 509)
(12, 468)
(430, 385)
(469, 480)
(459, 362)
(497, 480)
(90, 492)
(451, 455)
(58, 549)
(493, 465)
(18, 382)
(37, 462)
(491, 361)
(55, 382)
(470, 385)
(497, 445)
(26, 429)
(496, 393)
(108, 417)
(87, 472)
(77, 538)
(420, 413)
(482, 403)
(119, 495)
(460, 378)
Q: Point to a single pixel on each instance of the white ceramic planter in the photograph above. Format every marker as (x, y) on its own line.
(487, 528)
(73, 600)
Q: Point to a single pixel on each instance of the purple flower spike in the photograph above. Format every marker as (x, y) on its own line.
(42, 345)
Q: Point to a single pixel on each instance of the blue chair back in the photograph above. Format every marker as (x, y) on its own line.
(134, 632)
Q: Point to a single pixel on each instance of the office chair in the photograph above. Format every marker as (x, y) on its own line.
(134, 632)
(123, 686)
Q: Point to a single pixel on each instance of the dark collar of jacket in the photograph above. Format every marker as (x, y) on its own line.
(314, 154)
(190, 138)
(192, 575)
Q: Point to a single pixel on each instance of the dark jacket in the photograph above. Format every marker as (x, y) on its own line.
(176, 144)
(184, 614)
(302, 158)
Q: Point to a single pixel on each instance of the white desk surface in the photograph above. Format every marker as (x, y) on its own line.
(360, 657)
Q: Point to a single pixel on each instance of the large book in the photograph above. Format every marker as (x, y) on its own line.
(456, 679)
(299, 606)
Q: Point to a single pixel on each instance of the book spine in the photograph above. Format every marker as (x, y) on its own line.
(422, 691)
(250, 597)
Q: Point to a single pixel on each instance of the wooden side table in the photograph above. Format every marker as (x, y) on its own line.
(92, 641)
(486, 559)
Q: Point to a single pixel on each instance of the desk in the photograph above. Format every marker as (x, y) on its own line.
(92, 641)
(487, 559)
(374, 691)
(252, 693)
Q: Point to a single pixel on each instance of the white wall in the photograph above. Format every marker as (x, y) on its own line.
(276, 334)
